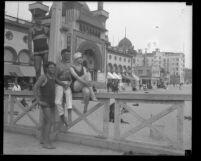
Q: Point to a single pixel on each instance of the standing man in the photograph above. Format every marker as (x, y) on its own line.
(63, 74)
(44, 92)
(39, 36)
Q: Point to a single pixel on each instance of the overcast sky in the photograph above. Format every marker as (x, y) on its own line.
(167, 26)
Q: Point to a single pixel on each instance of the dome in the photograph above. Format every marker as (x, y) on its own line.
(125, 43)
(84, 4)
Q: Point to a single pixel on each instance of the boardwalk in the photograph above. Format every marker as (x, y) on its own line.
(20, 144)
(25, 144)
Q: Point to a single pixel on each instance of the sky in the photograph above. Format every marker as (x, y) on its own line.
(165, 25)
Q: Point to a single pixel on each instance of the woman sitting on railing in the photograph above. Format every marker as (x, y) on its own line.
(81, 81)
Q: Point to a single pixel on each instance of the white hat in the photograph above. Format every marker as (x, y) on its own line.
(77, 55)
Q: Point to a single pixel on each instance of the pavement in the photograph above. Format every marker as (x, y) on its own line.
(29, 145)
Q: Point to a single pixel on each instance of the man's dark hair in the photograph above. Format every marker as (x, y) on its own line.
(50, 63)
(64, 50)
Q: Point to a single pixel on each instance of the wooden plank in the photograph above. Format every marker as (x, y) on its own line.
(89, 123)
(117, 113)
(6, 106)
(106, 111)
(141, 119)
(180, 126)
(24, 112)
(31, 118)
(85, 114)
(121, 96)
(151, 120)
(11, 109)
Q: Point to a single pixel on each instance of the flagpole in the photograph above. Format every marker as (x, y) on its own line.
(17, 10)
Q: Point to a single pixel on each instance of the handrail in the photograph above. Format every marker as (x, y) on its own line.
(121, 96)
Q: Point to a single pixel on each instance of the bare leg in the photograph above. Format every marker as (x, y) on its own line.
(48, 114)
(37, 65)
(43, 123)
(45, 60)
(68, 97)
(86, 95)
(63, 119)
(69, 115)
(92, 95)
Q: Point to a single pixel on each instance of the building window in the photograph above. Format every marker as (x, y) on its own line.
(140, 71)
(9, 35)
(124, 59)
(115, 58)
(25, 39)
(128, 60)
(119, 58)
(110, 56)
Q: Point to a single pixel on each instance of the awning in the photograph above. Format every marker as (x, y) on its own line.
(28, 71)
(120, 76)
(110, 76)
(20, 71)
(127, 77)
(114, 74)
(12, 70)
(135, 77)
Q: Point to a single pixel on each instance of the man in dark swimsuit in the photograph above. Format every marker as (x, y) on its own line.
(39, 35)
(44, 92)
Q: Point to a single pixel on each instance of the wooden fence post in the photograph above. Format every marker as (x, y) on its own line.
(180, 125)
(117, 115)
(6, 103)
(11, 109)
(106, 110)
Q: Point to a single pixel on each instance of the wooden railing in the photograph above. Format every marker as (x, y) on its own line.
(176, 102)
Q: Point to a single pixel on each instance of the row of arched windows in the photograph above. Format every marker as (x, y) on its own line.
(118, 68)
(120, 58)
(11, 56)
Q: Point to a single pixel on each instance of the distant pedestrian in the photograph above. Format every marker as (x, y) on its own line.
(16, 86)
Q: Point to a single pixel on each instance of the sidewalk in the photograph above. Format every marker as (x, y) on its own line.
(25, 144)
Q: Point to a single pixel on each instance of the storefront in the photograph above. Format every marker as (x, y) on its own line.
(25, 76)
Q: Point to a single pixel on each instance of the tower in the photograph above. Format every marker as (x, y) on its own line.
(38, 9)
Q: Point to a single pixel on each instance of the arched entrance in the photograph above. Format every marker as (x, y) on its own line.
(92, 56)
(90, 59)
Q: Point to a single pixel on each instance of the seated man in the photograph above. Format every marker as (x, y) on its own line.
(63, 74)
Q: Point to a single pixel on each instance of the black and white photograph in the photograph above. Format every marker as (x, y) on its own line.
(97, 78)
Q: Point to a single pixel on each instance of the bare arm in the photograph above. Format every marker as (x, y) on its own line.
(37, 85)
(60, 83)
(30, 39)
(80, 79)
